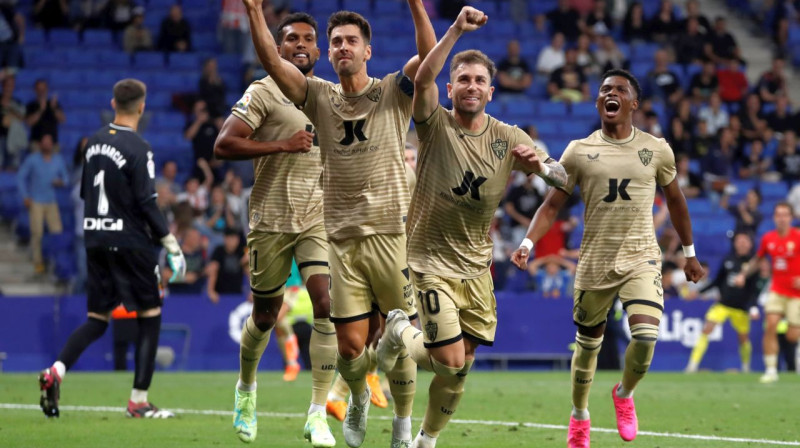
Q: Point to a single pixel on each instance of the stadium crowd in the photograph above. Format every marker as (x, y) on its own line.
(734, 138)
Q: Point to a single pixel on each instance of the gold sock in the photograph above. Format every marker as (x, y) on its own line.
(322, 348)
(403, 384)
(638, 355)
(252, 346)
(372, 356)
(354, 372)
(340, 389)
(413, 341)
(584, 365)
(444, 395)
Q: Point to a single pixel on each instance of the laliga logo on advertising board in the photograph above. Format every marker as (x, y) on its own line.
(236, 320)
(675, 328)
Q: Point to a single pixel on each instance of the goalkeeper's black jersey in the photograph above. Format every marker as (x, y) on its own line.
(118, 187)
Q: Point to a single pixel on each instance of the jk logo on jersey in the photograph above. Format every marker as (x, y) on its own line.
(470, 184)
(645, 155)
(500, 148)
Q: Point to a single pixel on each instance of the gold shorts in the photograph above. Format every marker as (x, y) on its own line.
(740, 319)
(787, 306)
(641, 294)
(453, 308)
(271, 258)
(368, 273)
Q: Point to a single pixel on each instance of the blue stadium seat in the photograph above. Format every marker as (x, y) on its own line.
(521, 108)
(149, 60)
(39, 59)
(67, 79)
(98, 38)
(185, 61)
(551, 109)
(80, 58)
(63, 38)
(35, 36)
(168, 121)
(157, 100)
(205, 41)
(583, 110)
(494, 108)
(363, 6)
(114, 59)
(774, 190)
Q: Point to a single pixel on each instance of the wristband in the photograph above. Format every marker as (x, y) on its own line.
(546, 171)
(688, 251)
(527, 244)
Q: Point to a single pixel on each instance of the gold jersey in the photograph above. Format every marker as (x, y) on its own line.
(617, 181)
(362, 136)
(287, 192)
(461, 179)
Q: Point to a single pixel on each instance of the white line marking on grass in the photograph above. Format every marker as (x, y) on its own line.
(33, 407)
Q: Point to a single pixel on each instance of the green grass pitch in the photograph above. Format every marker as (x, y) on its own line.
(499, 409)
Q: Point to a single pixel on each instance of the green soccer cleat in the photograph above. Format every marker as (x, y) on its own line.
(244, 415)
(318, 432)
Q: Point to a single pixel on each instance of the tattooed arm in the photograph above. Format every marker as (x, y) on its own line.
(552, 172)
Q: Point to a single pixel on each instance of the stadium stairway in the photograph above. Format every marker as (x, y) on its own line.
(16, 270)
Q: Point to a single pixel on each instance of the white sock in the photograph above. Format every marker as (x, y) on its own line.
(316, 408)
(138, 396)
(246, 387)
(580, 414)
(61, 369)
(622, 393)
(333, 397)
(401, 428)
(426, 438)
(771, 364)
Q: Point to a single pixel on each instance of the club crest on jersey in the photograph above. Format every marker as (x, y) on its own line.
(244, 103)
(500, 148)
(374, 95)
(645, 155)
(432, 329)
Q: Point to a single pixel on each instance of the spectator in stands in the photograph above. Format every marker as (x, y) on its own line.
(608, 55)
(754, 164)
(521, 203)
(501, 251)
(664, 23)
(662, 84)
(551, 57)
(781, 119)
(788, 161)
(565, 19)
(568, 83)
(794, 200)
(194, 252)
(598, 22)
(652, 125)
(732, 82)
(587, 60)
(226, 269)
(175, 34)
(703, 140)
(717, 165)
(690, 45)
(118, 14)
(693, 12)
(683, 110)
(202, 131)
(137, 36)
(234, 27)
(679, 138)
(196, 193)
(50, 13)
(166, 201)
(410, 156)
(81, 271)
(691, 184)
(13, 134)
(746, 211)
(169, 174)
(634, 27)
(533, 132)
(772, 83)
(219, 216)
(38, 177)
(43, 114)
(721, 45)
(556, 279)
(236, 200)
(514, 76)
(753, 122)
(212, 89)
(704, 83)
(12, 35)
(715, 116)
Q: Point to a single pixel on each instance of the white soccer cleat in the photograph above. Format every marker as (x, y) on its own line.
(769, 377)
(318, 432)
(423, 442)
(391, 343)
(398, 443)
(245, 422)
(354, 426)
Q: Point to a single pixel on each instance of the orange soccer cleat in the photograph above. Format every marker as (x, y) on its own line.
(377, 397)
(336, 408)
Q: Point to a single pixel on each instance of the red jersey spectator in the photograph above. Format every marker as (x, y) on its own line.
(732, 82)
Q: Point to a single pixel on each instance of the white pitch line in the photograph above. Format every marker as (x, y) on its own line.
(33, 407)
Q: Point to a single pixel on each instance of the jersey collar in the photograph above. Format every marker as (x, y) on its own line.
(120, 128)
(619, 142)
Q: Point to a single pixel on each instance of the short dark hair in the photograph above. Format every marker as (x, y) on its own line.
(342, 18)
(473, 57)
(128, 93)
(627, 75)
(296, 17)
(783, 204)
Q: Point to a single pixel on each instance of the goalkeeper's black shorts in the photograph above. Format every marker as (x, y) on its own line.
(122, 275)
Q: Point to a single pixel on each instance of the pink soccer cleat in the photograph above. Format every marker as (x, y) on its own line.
(627, 423)
(578, 433)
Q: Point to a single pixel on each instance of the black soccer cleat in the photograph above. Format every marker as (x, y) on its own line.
(49, 384)
(146, 410)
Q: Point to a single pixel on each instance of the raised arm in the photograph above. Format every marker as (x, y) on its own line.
(233, 142)
(426, 94)
(679, 215)
(289, 78)
(424, 34)
(542, 221)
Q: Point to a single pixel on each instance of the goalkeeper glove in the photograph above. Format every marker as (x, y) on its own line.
(175, 258)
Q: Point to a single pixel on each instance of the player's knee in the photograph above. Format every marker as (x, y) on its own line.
(588, 342)
(644, 333)
(450, 366)
(264, 319)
